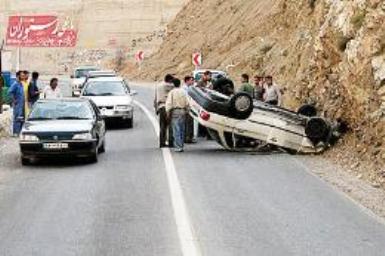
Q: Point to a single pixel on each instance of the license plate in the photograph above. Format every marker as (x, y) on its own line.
(55, 146)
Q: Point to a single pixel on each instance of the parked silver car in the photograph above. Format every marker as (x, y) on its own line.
(113, 97)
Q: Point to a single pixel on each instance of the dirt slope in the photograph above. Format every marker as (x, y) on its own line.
(330, 52)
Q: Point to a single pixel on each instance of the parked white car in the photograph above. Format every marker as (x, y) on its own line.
(113, 97)
(238, 123)
(79, 77)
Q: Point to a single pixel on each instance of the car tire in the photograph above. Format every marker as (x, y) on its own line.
(102, 148)
(317, 129)
(130, 123)
(241, 106)
(94, 157)
(307, 110)
(25, 161)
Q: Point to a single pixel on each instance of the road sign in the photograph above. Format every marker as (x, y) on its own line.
(197, 59)
(139, 56)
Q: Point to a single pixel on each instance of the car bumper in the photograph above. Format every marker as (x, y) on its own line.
(112, 114)
(75, 148)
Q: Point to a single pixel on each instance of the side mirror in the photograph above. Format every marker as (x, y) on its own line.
(133, 93)
(72, 76)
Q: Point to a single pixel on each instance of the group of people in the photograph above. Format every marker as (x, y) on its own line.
(24, 92)
(264, 89)
(171, 103)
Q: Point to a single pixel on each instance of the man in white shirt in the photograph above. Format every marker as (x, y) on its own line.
(177, 109)
(52, 91)
(273, 93)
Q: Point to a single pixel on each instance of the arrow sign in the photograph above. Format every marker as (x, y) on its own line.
(139, 56)
(197, 59)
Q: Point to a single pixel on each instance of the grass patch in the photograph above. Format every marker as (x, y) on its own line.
(358, 19)
(265, 48)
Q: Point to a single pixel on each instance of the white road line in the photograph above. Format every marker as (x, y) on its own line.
(187, 239)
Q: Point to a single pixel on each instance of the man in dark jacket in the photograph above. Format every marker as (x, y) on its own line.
(33, 89)
(161, 92)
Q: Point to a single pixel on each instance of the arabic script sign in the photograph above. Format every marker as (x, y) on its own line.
(40, 31)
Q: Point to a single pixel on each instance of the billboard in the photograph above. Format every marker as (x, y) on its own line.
(40, 31)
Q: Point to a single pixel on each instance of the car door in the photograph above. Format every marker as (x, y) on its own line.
(100, 124)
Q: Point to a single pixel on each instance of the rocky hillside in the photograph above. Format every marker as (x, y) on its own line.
(330, 52)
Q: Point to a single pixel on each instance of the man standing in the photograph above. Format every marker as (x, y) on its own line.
(52, 91)
(259, 90)
(246, 86)
(16, 93)
(33, 89)
(24, 76)
(161, 94)
(190, 138)
(205, 81)
(176, 108)
(273, 94)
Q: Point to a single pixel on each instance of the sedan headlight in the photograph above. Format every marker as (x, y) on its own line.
(28, 137)
(123, 108)
(83, 136)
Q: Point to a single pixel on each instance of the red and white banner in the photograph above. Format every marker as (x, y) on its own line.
(197, 59)
(40, 31)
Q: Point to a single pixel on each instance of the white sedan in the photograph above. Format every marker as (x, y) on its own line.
(113, 97)
(238, 123)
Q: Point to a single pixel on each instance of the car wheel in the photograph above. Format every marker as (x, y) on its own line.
(130, 123)
(94, 157)
(307, 110)
(25, 161)
(241, 106)
(102, 148)
(317, 130)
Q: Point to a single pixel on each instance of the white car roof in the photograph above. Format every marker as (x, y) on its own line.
(87, 67)
(106, 79)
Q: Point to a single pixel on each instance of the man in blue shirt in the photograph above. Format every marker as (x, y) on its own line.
(16, 93)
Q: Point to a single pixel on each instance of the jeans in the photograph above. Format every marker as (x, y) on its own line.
(178, 123)
(17, 124)
(189, 129)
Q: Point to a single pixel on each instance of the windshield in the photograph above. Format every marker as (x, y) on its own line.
(105, 88)
(61, 110)
(83, 72)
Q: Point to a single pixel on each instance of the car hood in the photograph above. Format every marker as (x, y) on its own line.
(58, 126)
(111, 100)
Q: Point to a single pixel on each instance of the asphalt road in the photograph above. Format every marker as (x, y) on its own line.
(237, 204)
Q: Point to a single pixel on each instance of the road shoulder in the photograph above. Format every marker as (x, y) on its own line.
(359, 191)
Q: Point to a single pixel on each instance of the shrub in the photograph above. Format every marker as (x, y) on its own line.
(312, 4)
(358, 19)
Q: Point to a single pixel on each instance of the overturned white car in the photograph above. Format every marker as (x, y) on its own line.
(238, 123)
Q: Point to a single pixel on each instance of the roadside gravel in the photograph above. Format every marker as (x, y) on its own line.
(347, 182)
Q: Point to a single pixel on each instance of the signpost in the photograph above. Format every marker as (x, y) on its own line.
(139, 56)
(197, 59)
